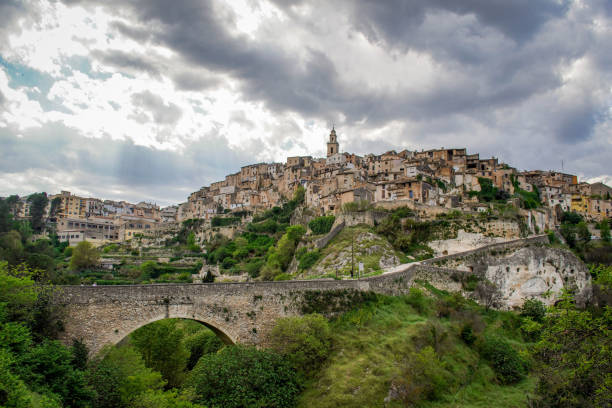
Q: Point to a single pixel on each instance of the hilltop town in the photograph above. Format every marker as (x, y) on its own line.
(428, 181)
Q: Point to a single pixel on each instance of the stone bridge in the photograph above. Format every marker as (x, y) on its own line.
(236, 312)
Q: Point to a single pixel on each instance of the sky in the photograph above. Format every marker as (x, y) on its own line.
(150, 99)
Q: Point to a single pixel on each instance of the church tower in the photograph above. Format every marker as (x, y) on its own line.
(332, 146)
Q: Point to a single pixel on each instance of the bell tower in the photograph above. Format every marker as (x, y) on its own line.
(332, 146)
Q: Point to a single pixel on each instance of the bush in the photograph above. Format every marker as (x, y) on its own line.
(149, 270)
(423, 378)
(84, 255)
(228, 263)
(322, 225)
(417, 299)
(509, 367)
(305, 341)
(534, 309)
(224, 221)
(308, 259)
(200, 343)
(467, 335)
(254, 266)
(239, 376)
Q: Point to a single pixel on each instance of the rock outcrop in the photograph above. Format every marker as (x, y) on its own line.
(535, 271)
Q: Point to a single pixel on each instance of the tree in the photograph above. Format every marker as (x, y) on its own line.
(166, 399)
(120, 377)
(604, 230)
(5, 216)
(84, 255)
(191, 243)
(54, 206)
(239, 376)
(47, 368)
(534, 309)
(583, 232)
(11, 247)
(573, 357)
(305, 340)
(505, 361)
(38, 203)
(200, 343)
(161, 346)
(18, 292)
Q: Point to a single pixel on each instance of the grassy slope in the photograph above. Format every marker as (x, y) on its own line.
(372, 342)
(342, 243)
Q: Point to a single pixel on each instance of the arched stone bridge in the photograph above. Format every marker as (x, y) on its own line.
(237, 312)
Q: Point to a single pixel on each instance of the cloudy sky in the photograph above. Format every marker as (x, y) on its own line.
(151, 99)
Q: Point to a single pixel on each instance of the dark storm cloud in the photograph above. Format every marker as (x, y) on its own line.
(198, 32)
(494, 66)
(105, 164)
(493, 58)
(576, 122)
(394, 21)
(10, 13)
(124, 60)
(192, 80)
(164, 113)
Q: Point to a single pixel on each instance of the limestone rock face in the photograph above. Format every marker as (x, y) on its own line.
(536, 272)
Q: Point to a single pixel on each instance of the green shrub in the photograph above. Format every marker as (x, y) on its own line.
(534, 309)
(509, 367)
(228, 263)
(239, 376)
(470, 283)
(308, 259)
(322, 225)
(467, 335)
(305, 341)
(417, 299)
(200, 343)
(149, 270)
(224, 221)
(423, 377)
(254, 266)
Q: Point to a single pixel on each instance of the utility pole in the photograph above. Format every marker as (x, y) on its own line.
(352, 252)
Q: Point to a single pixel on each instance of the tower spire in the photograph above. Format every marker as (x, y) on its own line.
(332, 145)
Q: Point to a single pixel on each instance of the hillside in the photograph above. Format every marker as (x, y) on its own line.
(422, 348)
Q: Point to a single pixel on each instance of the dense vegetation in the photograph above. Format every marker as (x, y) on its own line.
(577, 236)
(429, 348)
(321, 225)
(266, 248)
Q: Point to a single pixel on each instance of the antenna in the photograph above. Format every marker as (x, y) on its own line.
(561, 164)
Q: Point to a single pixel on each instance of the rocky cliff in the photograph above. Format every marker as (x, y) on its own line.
(535, 271)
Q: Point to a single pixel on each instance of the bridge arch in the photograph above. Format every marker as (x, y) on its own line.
(220, 333)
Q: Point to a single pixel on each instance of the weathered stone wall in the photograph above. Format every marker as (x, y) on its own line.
(370, 218)
(336, 228)
(503, 228)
